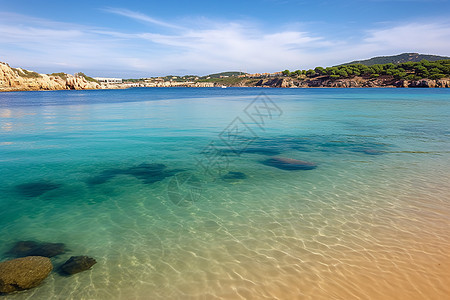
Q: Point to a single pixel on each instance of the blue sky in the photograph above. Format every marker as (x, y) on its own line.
(151, 38)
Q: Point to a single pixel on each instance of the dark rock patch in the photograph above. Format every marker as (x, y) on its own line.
(77, 264)
(289, 164)
(23, 273)
(147, 173)
(22, 248)
(48, 249)
(151, 173)
(234, 176)
(36, 189)
(32, 248)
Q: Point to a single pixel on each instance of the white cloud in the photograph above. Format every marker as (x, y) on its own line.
(425, 38)
(140, 17)
(49, 46)
(430, 37)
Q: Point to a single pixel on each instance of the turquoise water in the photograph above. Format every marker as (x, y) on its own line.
(139, 179)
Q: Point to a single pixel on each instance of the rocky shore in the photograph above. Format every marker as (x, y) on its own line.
(355, 82)
(17, 79)
(12, 79)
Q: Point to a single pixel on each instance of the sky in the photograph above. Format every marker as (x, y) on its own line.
(136, 39)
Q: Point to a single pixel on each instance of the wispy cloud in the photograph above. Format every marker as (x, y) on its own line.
(137, 16)
(48, 46)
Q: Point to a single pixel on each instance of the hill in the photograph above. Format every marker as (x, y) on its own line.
(397, 59)
(224, 74)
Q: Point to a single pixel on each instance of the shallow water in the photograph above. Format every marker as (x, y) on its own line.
(138, 180)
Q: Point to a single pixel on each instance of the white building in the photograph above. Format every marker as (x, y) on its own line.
(108, 80)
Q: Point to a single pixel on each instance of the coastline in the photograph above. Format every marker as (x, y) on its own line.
(263, 87)
(18, 79)
(80, 83)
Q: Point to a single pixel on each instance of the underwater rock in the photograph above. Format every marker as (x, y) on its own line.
(32, 248)
(22, 248)
(23, 273)
(77, 264)
(148, 173)
(48, 249)
(289, 164)
(36, 189)
(233, 176)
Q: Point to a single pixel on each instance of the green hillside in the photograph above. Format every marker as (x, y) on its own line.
(397, 59)
(229, 74)
(406, 70)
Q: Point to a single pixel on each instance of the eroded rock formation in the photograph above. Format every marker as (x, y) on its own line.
(12, 79)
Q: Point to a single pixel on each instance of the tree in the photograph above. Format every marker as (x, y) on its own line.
(331, 70)
(343, 73)
(319, 70)
(437, 76)
(310, 73)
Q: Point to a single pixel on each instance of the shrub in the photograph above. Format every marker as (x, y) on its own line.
(61, 75)
(26, 73)
(81, 74)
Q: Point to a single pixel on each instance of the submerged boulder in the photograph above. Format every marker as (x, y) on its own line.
(22, 248)
(147, 172)
(289, 164)
(48, 249)
(32, 248)
(23, 273)
(36, 189)
(77, 264)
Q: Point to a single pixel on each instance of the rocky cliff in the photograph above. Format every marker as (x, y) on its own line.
(12, 79)
(355, 82)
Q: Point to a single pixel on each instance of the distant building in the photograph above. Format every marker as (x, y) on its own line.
(108, 80)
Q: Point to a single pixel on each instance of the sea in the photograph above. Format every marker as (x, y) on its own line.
(236, 193)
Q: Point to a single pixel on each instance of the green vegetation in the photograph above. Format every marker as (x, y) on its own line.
(397, 59)
(229, 80)
(223, 74)
(26, 73)
(61, 75)
(407, 70)
(81, 74)
(132, 80)
(179, 78)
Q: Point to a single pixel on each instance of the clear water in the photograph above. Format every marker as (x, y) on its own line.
(372, 221)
